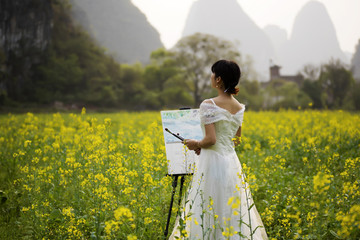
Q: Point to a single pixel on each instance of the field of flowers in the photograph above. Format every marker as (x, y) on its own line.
(103, 176)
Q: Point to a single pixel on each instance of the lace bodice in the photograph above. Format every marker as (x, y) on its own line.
(226, 125)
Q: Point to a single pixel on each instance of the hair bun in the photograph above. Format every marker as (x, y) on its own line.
(232, 90)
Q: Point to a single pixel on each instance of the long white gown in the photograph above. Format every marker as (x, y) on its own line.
(218, 204)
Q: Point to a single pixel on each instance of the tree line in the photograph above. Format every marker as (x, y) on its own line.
(74, 70)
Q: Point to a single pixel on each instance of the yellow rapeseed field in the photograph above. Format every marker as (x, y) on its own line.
(103, 176)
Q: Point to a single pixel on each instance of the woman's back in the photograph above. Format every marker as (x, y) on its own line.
(226, 123)
(229, 104)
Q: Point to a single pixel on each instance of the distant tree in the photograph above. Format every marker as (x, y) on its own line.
(58, 79)
(164, 82)
(195, 55)
(282, 94)
(250, 94)
(310, 72)
(3, 93)
(336, 82)
(161, 68)
(132, 86)
(311, 85)
(355, 63)
(314, 90)
(75, 70)
(293, 97)
(356, 95)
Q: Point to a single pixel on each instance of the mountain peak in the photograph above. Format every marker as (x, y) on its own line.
(226, 19)
(119, 26)
(313, 39)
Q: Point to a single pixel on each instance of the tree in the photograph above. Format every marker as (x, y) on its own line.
(195, 55)
(356, 96)
(336, 81)
(314, 90)
(250, 94)
(310, 72)
(164, 81)
(280, 93)
(311, 85)
(355, 63)
(132, 86)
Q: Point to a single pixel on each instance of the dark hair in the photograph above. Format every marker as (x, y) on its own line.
(230, 74)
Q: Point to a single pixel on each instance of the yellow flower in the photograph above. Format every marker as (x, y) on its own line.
(350, 222)
(321, 182)
(68, 212)
(236, 204)
(109, 226)
(131, 237)
(147, 220)
(184, 233)
(122, 212)
(230, 200)
(27, 143)
(195, 221)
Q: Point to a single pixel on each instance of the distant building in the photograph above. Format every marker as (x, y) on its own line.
(277, 78)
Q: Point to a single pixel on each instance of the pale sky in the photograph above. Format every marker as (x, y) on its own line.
(169, 16)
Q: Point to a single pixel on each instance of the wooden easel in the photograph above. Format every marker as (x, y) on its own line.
(174, 185)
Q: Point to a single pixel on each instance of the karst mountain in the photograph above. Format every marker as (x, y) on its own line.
(313, 38)
(118, 26)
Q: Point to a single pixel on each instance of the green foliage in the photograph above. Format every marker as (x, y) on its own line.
(132, 85)
(59, 78)
(328, 86)
(250, 94)
(195, 55)
(3, 94)
(356, 95)
(336, 82)
(314, 91)
(282, 94)
(75, 69)
(164, 81)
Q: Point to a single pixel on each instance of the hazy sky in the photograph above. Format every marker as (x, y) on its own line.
(169, 16)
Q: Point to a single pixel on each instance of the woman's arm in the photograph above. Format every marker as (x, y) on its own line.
(237, 138)
(207, 141)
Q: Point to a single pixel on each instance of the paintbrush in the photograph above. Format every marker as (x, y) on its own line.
(175, 135)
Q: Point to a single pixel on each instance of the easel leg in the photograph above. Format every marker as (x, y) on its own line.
(182, 180)
(174, 184)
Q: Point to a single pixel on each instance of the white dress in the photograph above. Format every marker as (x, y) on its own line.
(218, 204)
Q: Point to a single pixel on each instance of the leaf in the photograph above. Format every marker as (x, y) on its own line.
(253, 232)
(55, 215)
(251, 206)
(335, 234)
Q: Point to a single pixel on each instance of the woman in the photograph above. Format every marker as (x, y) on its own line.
(218, 204)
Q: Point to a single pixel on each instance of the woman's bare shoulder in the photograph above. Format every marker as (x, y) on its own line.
(207, 101)
(237, 105)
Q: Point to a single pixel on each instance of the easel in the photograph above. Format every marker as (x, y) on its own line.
(174, 185)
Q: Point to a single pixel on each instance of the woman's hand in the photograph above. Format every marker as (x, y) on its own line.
(192, 144)
(198, 151)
